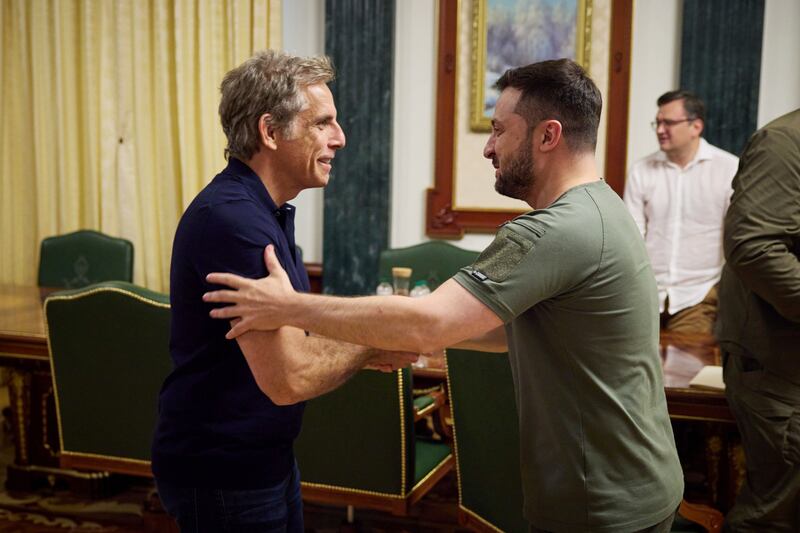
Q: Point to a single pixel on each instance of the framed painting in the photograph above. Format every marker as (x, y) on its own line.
(512, 33)
(462, 198)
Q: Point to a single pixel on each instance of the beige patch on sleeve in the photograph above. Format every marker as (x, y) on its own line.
(500, 258)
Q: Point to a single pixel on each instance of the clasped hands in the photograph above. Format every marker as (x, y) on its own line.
(262, 304)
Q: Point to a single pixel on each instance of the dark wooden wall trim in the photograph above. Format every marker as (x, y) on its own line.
(315, 276)
(619, 80)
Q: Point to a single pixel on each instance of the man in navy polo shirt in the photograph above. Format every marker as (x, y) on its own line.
(230, 410)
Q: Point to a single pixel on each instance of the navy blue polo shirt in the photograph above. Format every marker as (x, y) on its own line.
(215, 427)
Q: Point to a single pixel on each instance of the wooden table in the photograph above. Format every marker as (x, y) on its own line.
(24, 350)
(682, 357)
(22, 335)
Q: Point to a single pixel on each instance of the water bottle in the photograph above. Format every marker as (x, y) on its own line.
(384, 288)
(420, 289)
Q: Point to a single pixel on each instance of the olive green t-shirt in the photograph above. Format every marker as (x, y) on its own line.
(574, 286)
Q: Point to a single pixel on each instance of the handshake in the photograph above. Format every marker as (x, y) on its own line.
(388, 361)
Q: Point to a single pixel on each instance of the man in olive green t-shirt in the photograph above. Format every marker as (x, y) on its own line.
(567, 289)
(574, 287)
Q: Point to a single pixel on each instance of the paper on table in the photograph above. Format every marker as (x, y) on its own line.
(709, 378)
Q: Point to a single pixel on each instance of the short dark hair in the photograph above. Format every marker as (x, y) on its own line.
(558, 89)
(694, 106)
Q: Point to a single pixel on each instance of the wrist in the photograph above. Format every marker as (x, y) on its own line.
(368, 354)
(292, 310)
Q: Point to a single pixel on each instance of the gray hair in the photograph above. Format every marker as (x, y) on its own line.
(269, 82)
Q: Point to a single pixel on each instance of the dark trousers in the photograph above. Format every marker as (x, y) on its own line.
(198, 510)
(767, 412)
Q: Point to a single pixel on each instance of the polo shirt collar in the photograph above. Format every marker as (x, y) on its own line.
(254, 184)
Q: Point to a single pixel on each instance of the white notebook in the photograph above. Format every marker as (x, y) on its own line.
(709, 378)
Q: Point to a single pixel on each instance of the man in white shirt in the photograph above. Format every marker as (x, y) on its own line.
(678, 197)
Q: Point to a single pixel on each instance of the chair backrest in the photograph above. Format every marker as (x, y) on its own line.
(486, 435)
(84, 257)
(109, 355)
(360, 436)
(433, 261)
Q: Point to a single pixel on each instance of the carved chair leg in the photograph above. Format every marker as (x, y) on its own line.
(706, 516)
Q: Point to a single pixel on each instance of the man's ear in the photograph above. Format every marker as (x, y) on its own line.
(550, 135)
(267, 131)
(699, 126)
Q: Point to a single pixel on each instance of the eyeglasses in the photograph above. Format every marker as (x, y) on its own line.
(667, 123)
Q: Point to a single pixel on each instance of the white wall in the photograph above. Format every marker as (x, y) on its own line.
(780, 61)
(304, 34)
(414, 119)
(655, 69)
(414, 134)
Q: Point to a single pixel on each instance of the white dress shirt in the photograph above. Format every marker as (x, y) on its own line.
(680, 212)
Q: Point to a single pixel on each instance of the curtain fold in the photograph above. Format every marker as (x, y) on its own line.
(721, 62)
(109, 118)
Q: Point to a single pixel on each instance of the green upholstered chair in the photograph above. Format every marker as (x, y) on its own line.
(358, 447)
(433, 261)
(109, 355)
(486, 436)
(84, 257)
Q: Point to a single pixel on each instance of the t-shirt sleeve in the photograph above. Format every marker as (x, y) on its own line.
(530, 262)
(233, 241)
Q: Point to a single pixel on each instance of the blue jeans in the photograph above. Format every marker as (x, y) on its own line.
(275, 509)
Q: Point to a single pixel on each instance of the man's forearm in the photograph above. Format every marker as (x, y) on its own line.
(772, 271)
(387, 322)
(445, 317)
(290, 367)
(328, 365)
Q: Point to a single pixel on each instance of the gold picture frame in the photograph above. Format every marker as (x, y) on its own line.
(480, 112)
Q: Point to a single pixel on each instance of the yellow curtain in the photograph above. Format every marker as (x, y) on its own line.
(108, 118)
